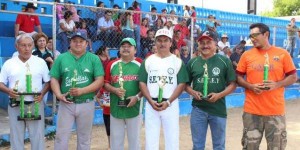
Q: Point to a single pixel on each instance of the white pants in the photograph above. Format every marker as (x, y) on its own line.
(82, 115)
(35, 128)
(169, 119)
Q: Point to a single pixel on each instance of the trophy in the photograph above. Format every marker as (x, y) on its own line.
(161, 84)
(73, 85)
(122, 102)
(13, 101)
(266, 71)
(22, 94)
(205, 83)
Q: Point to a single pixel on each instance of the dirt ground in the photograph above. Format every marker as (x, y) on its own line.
(233, 135)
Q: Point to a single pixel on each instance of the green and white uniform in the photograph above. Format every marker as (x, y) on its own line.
(220, 74)
(88, 67)
(172, 69)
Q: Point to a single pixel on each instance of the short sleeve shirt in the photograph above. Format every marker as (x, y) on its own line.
(27, 22)
(88, 67)
(131, 85)
(251, 64)
(220, 74)
(171, 68)
(15, 70)
(70, 26)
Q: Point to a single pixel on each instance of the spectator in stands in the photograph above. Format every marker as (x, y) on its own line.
(127, 24)
(196, 31)
(264, 108)
(158, 25)
(107, 30)
(144, 28)
(169, 26)
(211, 25)
(41, 50)
(49, 46)
(225, 51)
(137, 29)
(153, 51)
(235, 57)
(25, 23)
(147, 43)
(9, 76)
(83, 28)
(193, 13)
(292, 30)
(116, 13)
(66, 29)
(178, 39)
(224, 41)
(185, 54)
(100, 12)
(70, 7)
(186, 12)
(59, 10)
(163, 16)
(185, 32)
(241, 44)
(152, 17)
(172, 17)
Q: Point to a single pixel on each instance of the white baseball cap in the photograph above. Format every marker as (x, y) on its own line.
(164, 32)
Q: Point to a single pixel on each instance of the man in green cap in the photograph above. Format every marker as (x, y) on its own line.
(121, 80)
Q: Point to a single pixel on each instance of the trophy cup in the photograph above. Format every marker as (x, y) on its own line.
(122, 101)
(73, 85)
(28, 105)
(13, 101)
(205, 83)
(266, 71)
(161, 84)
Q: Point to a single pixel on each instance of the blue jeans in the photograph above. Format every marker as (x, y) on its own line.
(64, 41)
(137, 34)
(199, 123)
(128, 33)
(291, 46)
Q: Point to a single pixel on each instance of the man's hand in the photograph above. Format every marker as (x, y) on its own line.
(76, 91)
(63, 98)
(196, 94)
(257, 88)
(38, 98)
(156, 106)
(271, 84)
(213, 97)
(13, 94)
(133, 100)
(119, 92)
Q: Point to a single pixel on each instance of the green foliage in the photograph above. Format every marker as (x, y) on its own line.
(284, 8)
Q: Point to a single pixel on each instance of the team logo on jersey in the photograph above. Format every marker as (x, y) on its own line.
(86, 70)
(216, 71)
(67, 70)
(276, 58)
(170, 71)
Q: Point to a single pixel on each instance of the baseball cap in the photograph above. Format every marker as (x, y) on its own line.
(164, 32)
(209, 35)
(224, 35)
(79, 34)
(30, 5)
(131, 41)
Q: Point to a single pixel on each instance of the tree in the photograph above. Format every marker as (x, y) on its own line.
(284, 8)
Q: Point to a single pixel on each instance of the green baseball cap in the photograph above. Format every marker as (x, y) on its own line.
(131, 41)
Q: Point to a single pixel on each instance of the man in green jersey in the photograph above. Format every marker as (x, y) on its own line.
(121, 80)
(76, 74)
(213, 78)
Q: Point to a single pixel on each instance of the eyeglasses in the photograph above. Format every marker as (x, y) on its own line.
(254, 35)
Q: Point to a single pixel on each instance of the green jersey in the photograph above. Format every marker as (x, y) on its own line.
(220, 74)
(88, 67)
(131, 85)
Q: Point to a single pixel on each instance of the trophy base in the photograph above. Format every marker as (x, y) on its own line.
(123, 103)
(205, 98)
(29, 119)
(13, 104)
(37, 93)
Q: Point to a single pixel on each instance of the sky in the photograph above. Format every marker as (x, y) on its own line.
(237, 6)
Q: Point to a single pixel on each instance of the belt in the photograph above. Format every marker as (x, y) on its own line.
(163, 99)
(80, 101)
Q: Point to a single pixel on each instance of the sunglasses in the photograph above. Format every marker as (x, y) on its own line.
(254, 35)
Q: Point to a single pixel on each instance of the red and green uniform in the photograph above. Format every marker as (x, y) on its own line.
(131, 85)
